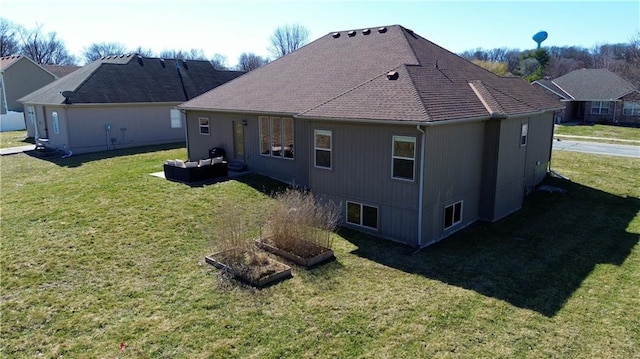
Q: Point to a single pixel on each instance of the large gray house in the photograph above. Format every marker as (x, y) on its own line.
(412, 140)
(118, 102)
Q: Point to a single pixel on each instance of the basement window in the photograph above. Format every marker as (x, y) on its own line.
(452, 215)
(204, 125)
(362, 215)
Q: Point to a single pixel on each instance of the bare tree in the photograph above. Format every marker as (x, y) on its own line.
(288, 38)
(144, 52)
(193, 54)
(9, 42)
(219, 62)
(250, 61)
(98, 50)
(45, 48)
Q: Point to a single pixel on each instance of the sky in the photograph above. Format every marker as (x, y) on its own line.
(230, 27)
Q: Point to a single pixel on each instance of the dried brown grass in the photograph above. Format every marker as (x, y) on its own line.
(300, 223)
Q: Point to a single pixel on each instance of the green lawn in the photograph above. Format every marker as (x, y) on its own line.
(14, 139)
(96, 252)
(600, 131)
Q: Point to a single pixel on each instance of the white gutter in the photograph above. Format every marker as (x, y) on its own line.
(421, 184)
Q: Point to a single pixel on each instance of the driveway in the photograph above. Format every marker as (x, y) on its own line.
(597, 148)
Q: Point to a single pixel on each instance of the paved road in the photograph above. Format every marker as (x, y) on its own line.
(597, 148)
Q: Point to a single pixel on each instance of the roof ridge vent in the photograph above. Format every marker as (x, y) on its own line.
(335, 35)
(382, 30)
(366, 31)
(351, 33)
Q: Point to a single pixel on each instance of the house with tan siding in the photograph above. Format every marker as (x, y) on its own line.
(119, 102)
(413, 141)
(19, 76)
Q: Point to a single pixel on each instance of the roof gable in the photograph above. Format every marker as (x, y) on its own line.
(133, 79)
(593, 84)
(343, 75)
(7, 61)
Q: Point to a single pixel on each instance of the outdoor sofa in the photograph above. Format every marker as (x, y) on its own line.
(195, 171)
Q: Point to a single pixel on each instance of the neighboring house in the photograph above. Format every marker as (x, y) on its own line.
(413, 141)
(19, 76)
(595, 95)
(119, 101)
(61, 70)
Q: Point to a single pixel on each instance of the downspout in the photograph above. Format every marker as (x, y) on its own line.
(423, 143)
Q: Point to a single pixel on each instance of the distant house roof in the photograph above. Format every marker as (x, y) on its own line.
(133, 79)
(550, 86)
(7, 61)
(386, 73)
(593, 84)
(60, 70)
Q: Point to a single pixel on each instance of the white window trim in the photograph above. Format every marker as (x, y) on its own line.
(393, 157)
(361, 205)
(208, 126)
(524, 133)
(55, 122)
(633, 108)
(270, 120)
(597, 110)
(31, 114)
(316, 148)
(175, 118)
(453, 223)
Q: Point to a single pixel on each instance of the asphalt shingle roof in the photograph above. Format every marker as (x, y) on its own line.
(133, 79)
(343, 75)
(593, 84)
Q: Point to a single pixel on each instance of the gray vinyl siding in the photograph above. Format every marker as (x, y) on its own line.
(131, 126)
(510, 185)
(538, 149)
(361, 172)
(22, 78)
(453, 173)
(295, 171)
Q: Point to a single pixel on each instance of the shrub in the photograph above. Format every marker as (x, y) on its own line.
(300, 224)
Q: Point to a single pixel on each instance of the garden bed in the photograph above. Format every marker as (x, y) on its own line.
(255, 273)
(313, 253)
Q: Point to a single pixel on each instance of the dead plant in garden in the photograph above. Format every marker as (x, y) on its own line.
(300, 223)
(232, 236)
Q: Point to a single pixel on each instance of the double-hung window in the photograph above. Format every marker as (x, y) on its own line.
(31, 114)
(56, 122)
(322, 146)
(175, 117)
(204, 125)
(452, 215)
(404, 158)
(600, 107)
(276, 136)
(524, 133)
(362, 215)
(631, 108)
